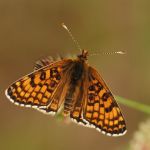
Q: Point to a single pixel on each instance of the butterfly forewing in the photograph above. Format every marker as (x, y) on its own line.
(100, 109)
(37, 89)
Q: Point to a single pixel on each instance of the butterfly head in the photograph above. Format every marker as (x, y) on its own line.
(83, 55)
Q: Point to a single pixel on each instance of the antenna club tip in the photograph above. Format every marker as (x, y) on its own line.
(121, 52)
(64, 26)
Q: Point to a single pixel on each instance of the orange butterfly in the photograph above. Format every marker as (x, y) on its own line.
(75, 85)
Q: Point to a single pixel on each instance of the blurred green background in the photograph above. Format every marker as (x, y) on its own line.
(31, 29)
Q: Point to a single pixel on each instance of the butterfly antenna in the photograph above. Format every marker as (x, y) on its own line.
(72, 37)
(115, 52)
(109, 53)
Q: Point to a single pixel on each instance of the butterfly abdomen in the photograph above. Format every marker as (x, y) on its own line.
(76, 74)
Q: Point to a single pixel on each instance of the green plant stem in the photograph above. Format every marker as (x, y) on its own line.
(133, 104)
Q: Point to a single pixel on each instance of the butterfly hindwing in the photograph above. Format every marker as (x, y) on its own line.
(100, 108)
(36, 89)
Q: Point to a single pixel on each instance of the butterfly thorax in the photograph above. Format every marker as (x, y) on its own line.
(76, 78)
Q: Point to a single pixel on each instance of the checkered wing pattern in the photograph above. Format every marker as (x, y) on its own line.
(38, 88)
(100, 109)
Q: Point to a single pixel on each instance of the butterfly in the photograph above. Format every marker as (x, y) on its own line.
(75, 85)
